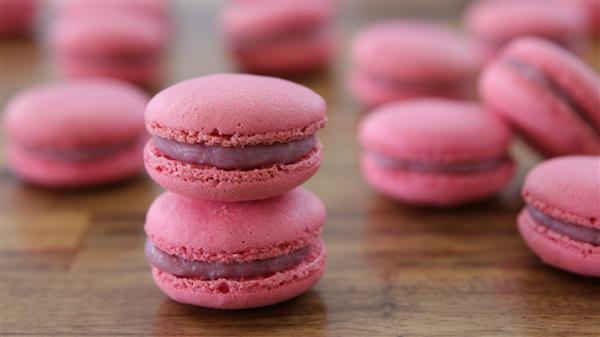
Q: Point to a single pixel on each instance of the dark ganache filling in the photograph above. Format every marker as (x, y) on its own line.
(537, 76)
(439, 167)
(179, 266)
(131, 58)
(574, 231)
(231, 158)
(298, 34)
(457, 85)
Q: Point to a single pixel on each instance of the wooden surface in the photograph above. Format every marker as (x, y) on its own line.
(72, 263)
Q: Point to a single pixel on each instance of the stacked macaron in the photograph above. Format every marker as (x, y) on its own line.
(279, 37)
(124, 40)
(234, 229)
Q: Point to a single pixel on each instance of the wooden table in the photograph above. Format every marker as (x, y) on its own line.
(72, 263)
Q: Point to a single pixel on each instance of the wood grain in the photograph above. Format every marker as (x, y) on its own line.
(72, 263)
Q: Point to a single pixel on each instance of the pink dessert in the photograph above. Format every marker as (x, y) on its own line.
(435, 151)
(495, 23)
(399, 59)
(279, 36)
(548, 94)
(16, 17)
(76, 133)
(561, 221)
(116, 44)
(236, 255)
(234, 137)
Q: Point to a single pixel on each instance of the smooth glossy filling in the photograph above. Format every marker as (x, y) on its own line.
(81, 154)
(110, 59)
(179, 266)
(574, 231)
(536, 75)
(438, 167)
(282, 36)
(230, 158)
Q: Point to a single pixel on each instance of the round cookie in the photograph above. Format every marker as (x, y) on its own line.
(76, 133)
(561, 221)
(236, 255)
(234, 137)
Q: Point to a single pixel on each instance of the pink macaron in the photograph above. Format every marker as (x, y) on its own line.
(549, 94)
(436, 152)
(76, 133)
(234, 137)
(399, 59)
(118, 44)
(16, 17)
(236, 255)
(561, 221)
(495, 23)
(277, 37)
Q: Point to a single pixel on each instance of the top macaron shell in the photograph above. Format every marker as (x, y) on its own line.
(509, 19)
(414, 51)
(548, 121)
(432, 129)
(235, 110)
(566, 188)
(234, 232)
(76, 114)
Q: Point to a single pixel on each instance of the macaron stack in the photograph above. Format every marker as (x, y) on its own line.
(234, 230)
(124, 40)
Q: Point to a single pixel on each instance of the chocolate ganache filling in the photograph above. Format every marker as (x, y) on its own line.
(180, 266)
(574, 231)
(230, 158)
(439, 167)
(536, 75)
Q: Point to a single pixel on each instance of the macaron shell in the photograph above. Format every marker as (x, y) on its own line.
(508, 19)
(235, 109)
(199, 229)
(287, 56)
(565, 69)
(558, 250)
(567, 188)
(547, 122)
(428, 51)
(257, 19)
(231, 294)
(64, 174)
(443, 190)
(435, 129)
(236, 185)
(77, 113)
(371, 94)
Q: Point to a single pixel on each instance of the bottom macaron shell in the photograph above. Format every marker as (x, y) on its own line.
(558, 250)
(436, 189)
(372, 94)
(222, 185)
(234, 294)
(53, 173)
(144, 73)
(287, 56)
